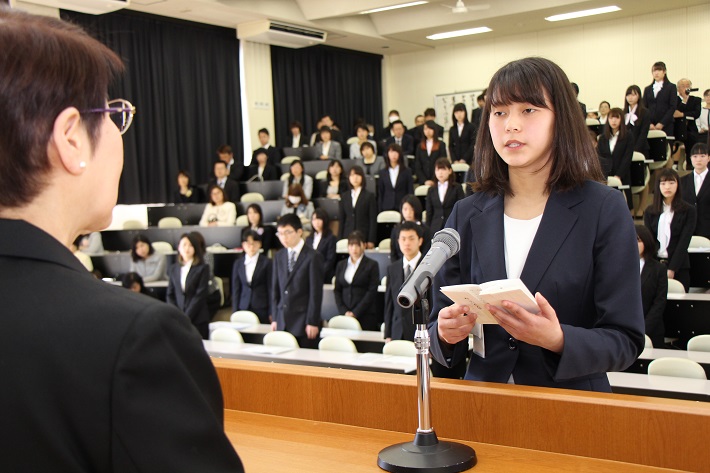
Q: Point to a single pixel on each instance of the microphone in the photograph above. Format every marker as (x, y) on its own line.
(446, 243)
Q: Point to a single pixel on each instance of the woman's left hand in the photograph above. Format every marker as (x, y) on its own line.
(541, 329)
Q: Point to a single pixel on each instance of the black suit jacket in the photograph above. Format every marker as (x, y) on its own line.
(407, 144)
(476, 115)
(682, 227)
(359, 296)
(193, 300)
(461, 146)
(388, 197)
(109, 380)
(620, 157)
(273, 154)
(398, 321)
(640, 131)
(437, 212)
(654, 290)
(270, 173)
(424, 162)
(396, 253)
(662, 106)
(363, 217)
(231, 190)
(326, 248)
(254, 296)
(297, 297)
(701, 202)
(685, 126)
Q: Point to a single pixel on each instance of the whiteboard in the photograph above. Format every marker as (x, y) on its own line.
(444, 105)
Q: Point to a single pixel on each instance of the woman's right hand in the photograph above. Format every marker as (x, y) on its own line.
(455, 323)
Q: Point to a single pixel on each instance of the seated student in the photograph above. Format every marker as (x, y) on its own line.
(297, 285)
(637, 119)
(297, 175)
(358, 210)
(429, 150)
(221, 180)
(401, 138)
(261, 169)
(92, 244)
(370, 163)
(188, 282)
(356, 281)
(654, 286)
(235, 168)
(255, 218)
(251, 278)
(616, 144)
(83, 258)
(274, 154)
(335, 183)
(297, 138)
(362, 133)
(411, 210)
(134, 282)
(297, 203)
(145, 261)
(440, 198)
(327, 148)
(186, 193)
(398, 324)
(219, 212)
(395, 181)
(323, 240)
(695, 189)
(604, 108)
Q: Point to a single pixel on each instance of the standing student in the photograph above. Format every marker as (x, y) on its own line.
(672, 221)
(660, 98)
(356, 281)
(251, 278)
(255, 220)
(429, 150)
(411, 210)
(654, 286)
(440, 198)
(695, 189)
(616, 144)
(260, 169)
(637, 119)
(322, 240)
(395, 181)
(358, 209)
(462, 136)
(297, 285)
(540, 215)
(188, 282)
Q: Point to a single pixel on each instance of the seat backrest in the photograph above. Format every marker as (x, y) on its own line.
(322, 175)
(400, 348)
(252, 197)
(697, 241)
(280, 339)
(389, 216)
(245, 316)
(678, 367)
(336, 343)
(342, 321)
(341, 246)
(351, 140)
(162, 247)
(675, 287)
(648, 343)
(133, 225)
(289, 159)
(460, 167)
(699, 343)
(242, 221)
(169, 222)
(385, 245)
(226, 334)
(421, 191)
(613, 181)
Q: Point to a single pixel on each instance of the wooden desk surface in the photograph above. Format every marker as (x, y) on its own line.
(272, 444)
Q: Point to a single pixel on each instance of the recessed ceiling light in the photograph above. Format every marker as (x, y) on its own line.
(456, 34)
(393, 7)
(583, 13)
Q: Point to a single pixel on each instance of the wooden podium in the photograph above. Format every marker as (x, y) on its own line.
(297, 418)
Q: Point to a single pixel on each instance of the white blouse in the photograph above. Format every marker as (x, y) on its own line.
(519, 236)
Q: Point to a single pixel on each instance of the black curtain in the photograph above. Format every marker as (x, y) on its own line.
(311, 82)
(183, 79)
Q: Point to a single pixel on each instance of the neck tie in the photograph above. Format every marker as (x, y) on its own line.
(291, 259)
(407, 271)
(399, 142)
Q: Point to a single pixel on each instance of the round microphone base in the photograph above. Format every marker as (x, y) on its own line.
(427, 455)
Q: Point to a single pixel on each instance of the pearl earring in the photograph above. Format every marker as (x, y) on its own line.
(82, 164)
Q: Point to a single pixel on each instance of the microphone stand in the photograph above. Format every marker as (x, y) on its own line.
(426, 454)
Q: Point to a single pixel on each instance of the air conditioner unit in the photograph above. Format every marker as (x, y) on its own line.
(93, 7)
(280, 34)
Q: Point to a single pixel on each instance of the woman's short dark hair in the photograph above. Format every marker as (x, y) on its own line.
(140, 238)
(129, 279)
(362, 126)
(357, 170)
(542, 83)
(459, 107)
(182, 172)
(415, 203)
(604, 102)
(46, 66)
(296, 124)
(444, 163)
(325, 128)
(334, 162)
(619, 113)
(666, 174)
(321, 214)
(198, 243)
(367, 144)
(649, 242)
(224, 197)
(256, 208)
(402, 161)
(356, 237)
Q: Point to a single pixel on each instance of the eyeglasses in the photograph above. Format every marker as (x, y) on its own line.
(285, 233)
(120, 111)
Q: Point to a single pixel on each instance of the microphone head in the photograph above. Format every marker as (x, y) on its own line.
(450, 238)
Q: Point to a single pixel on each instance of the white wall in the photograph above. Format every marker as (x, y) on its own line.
(603, 58)
(259, 93)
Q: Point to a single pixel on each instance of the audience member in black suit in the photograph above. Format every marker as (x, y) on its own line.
(411, 210)
(617, 145)
(296, 138)
(134, 282)
(672, 221)
(361, 216)
(235, 168)
(429, 150)
(476, 112)
(581, 105)
(462, 136)
(660, 99)
(335, 133)
(687, 111)
(695, 189)
(399, 137)
(430, 116)
(297, 287)
(605, 163)
(188, 281)
(186, 193)
(255, 217)
(335, 183)
(251, 278)
(416, 131)
(229, 186)
(637, 119)
(261, 169)
(356, 281)
(654, 286)
(274, 154)
(442, 196)
(323, 240)
(389, 195)
(398, 324)
(387, 132)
